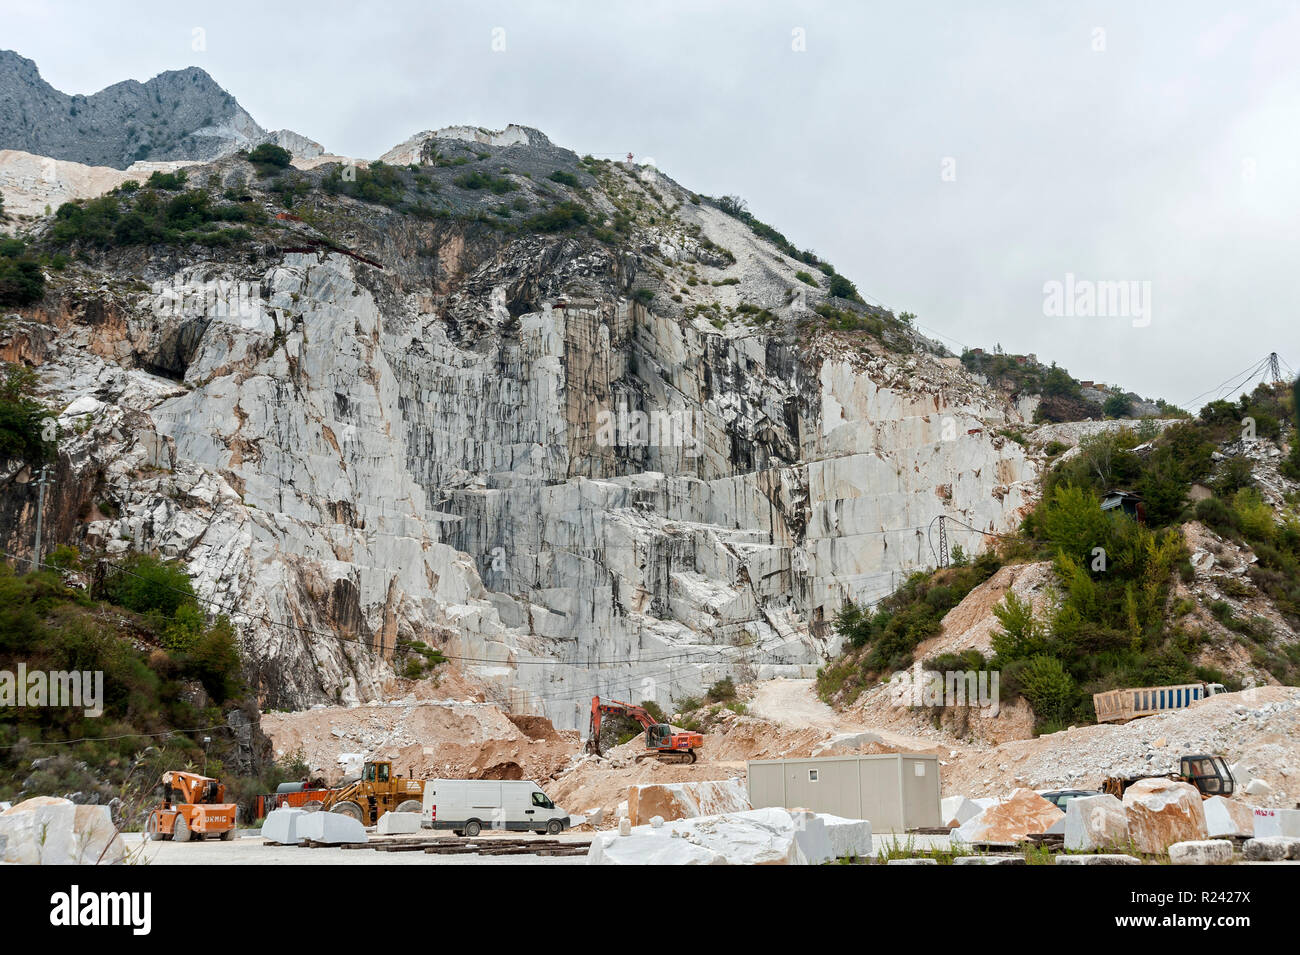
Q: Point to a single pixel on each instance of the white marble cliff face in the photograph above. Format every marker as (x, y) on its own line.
(333, 463)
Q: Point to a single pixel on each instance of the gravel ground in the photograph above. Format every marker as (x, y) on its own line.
(253, 850)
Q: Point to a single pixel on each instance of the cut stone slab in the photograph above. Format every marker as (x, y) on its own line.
(594, 817)
(1022, 813)
(1257, 787)
(955, 810)
(1162, 812)
(1228, 817)
(39, 831)
(1271, 849)
(398, 823)
(810, 834)
(754, 837)
(849, 838)
(96, 840)
(644, 848)
(1100, 859)
(989, 860)
(281, 825)
(911, 862)
(1095, 822)
(1277, 822)
(1209, 852)
(685, 800)
(331, 828)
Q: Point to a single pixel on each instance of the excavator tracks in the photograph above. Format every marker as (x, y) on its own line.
(669, 757)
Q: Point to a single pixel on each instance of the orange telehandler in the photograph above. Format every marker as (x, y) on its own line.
(661, 742)
(192, 805)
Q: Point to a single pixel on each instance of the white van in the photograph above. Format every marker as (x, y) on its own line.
(468, 806)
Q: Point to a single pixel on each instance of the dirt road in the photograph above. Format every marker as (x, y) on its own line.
(794, 703)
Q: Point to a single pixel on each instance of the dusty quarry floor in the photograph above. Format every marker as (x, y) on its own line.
(1258, 731)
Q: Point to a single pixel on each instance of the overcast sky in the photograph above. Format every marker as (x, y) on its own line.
(950, 161)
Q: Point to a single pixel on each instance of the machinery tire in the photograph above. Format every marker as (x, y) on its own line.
(349, 809)
(230, 834)
(473, 828)
(153, 828)
(410, 805)
(554, 827)
(313, 805)
(181, 830)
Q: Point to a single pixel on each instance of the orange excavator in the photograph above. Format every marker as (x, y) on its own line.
(661, 742)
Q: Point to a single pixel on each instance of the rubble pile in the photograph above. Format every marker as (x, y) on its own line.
(427, 738)
(1256, 730)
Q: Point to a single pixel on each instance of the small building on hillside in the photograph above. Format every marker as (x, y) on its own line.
(1127, 502)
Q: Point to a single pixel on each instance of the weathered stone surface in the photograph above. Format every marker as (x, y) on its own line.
(1208, 852)
(1095, 822)
(1271, 848)
(1099, 859)
(1228, 817)
(1162, 812)
(1022, 813)
(397, 823)
(911, 862)
(685, 800)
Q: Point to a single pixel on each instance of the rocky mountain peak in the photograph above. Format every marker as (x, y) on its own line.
(176, 115)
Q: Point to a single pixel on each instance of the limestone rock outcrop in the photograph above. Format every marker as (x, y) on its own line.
(490, 446)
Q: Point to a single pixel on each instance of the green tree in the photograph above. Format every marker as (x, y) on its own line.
(146, 584)
(1117, 406)
(1049, 689)
(1021, 634)
(1076, 524)
(22, 429)
(270, 155)
(22, 282)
